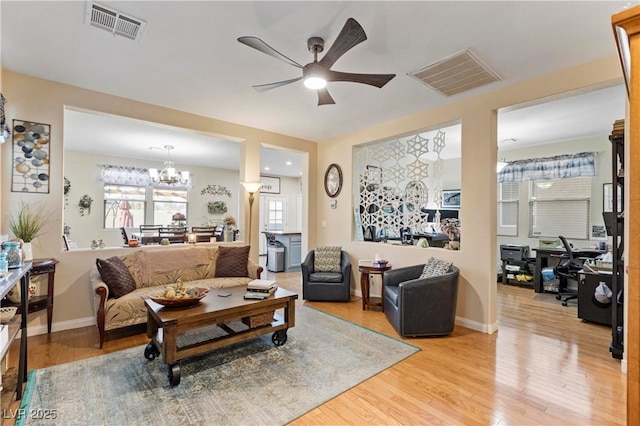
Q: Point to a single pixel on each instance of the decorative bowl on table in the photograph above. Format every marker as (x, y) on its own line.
(380, 263)
(172, 302)
(7, 313)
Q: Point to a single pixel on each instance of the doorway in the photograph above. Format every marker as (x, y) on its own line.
(273, 217)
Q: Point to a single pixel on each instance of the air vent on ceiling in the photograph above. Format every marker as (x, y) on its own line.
(114, 21)
(456, 74)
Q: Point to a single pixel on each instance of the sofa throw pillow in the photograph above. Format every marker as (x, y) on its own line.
(116, 276)
(232, 261)
(435, 267)
(327, 259)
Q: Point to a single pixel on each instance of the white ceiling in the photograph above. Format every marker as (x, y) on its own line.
(188, 59)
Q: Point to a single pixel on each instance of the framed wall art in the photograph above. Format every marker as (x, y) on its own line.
(270, 185)
(30, 153)
(607, 198)
(451, 199)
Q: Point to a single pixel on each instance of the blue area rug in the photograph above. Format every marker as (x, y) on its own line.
(249, 383)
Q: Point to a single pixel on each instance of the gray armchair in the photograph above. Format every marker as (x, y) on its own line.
(326, 286)
(420, 306)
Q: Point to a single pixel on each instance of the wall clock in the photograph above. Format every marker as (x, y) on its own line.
(333, 180)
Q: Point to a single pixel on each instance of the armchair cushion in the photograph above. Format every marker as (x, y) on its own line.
(325, 277)
(435, 267)
(327, 259)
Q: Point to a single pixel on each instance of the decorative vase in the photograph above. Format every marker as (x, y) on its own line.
(27, 251)
(14, 294)
(228, 235)
(14, 254)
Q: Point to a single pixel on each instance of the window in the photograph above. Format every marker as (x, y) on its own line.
(124, 206)
(560, 207)
(508, 208)
(275, 214)
(166, 203)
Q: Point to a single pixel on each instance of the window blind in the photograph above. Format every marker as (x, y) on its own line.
(560, 207)
(508, 208)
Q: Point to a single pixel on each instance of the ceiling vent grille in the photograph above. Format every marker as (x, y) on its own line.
(456, 74)
(115, 22)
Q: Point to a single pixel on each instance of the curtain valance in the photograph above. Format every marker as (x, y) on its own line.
(557, 167)
(124, 175)
(127, 175)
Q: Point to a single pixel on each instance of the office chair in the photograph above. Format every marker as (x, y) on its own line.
(567, 269)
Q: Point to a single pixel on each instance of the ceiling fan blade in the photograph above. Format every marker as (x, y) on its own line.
(351, 35)
(265, 87)
(377, 80)
(263, 47)
(324, 98)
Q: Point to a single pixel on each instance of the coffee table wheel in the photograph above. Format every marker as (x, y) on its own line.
(151, 352)
(174, 374)
(279, 337)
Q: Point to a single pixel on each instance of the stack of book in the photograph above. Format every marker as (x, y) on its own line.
(260, 289)
(618, 128)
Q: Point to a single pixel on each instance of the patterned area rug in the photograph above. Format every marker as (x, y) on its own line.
(249, 383)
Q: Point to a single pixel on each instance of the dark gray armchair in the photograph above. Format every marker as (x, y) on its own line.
(326, 286)
(420, 306)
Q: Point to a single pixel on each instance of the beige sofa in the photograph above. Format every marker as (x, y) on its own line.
(152, 269)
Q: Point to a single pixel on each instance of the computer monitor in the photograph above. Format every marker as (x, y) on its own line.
(609, 221)
(444, 214)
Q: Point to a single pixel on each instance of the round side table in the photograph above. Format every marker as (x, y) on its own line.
(365, 272)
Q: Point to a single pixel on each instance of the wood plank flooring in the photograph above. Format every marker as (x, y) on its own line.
(543, 366)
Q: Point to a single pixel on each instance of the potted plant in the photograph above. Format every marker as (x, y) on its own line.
(229, 223)
(27, 225)
(85, 204)
(451, 228)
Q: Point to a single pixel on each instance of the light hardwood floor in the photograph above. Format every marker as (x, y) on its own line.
(543, 366)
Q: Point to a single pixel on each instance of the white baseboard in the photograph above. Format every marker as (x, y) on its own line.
(60, 326)
(477, 326)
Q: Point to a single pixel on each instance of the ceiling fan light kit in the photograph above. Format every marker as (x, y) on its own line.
(317, 74)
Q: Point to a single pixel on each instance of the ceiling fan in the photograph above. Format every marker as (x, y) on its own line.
(316, 74)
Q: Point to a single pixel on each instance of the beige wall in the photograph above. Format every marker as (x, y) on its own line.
(476, 304)
(477, 258)
(44, 101)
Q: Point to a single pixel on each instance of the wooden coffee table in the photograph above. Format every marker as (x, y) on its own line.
(178, 333)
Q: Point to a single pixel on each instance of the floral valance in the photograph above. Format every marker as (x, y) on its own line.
(124, 175)
(127, 175)
(558, 167)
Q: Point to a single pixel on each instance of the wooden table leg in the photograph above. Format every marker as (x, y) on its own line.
(364, 288)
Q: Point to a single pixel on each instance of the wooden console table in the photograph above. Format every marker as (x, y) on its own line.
(45, 301)
(17, 276)
(365, 272)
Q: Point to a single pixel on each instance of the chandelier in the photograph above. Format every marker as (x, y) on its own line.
(168, 175)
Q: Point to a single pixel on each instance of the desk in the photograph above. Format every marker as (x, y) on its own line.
(544, 254)
(365, 272)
